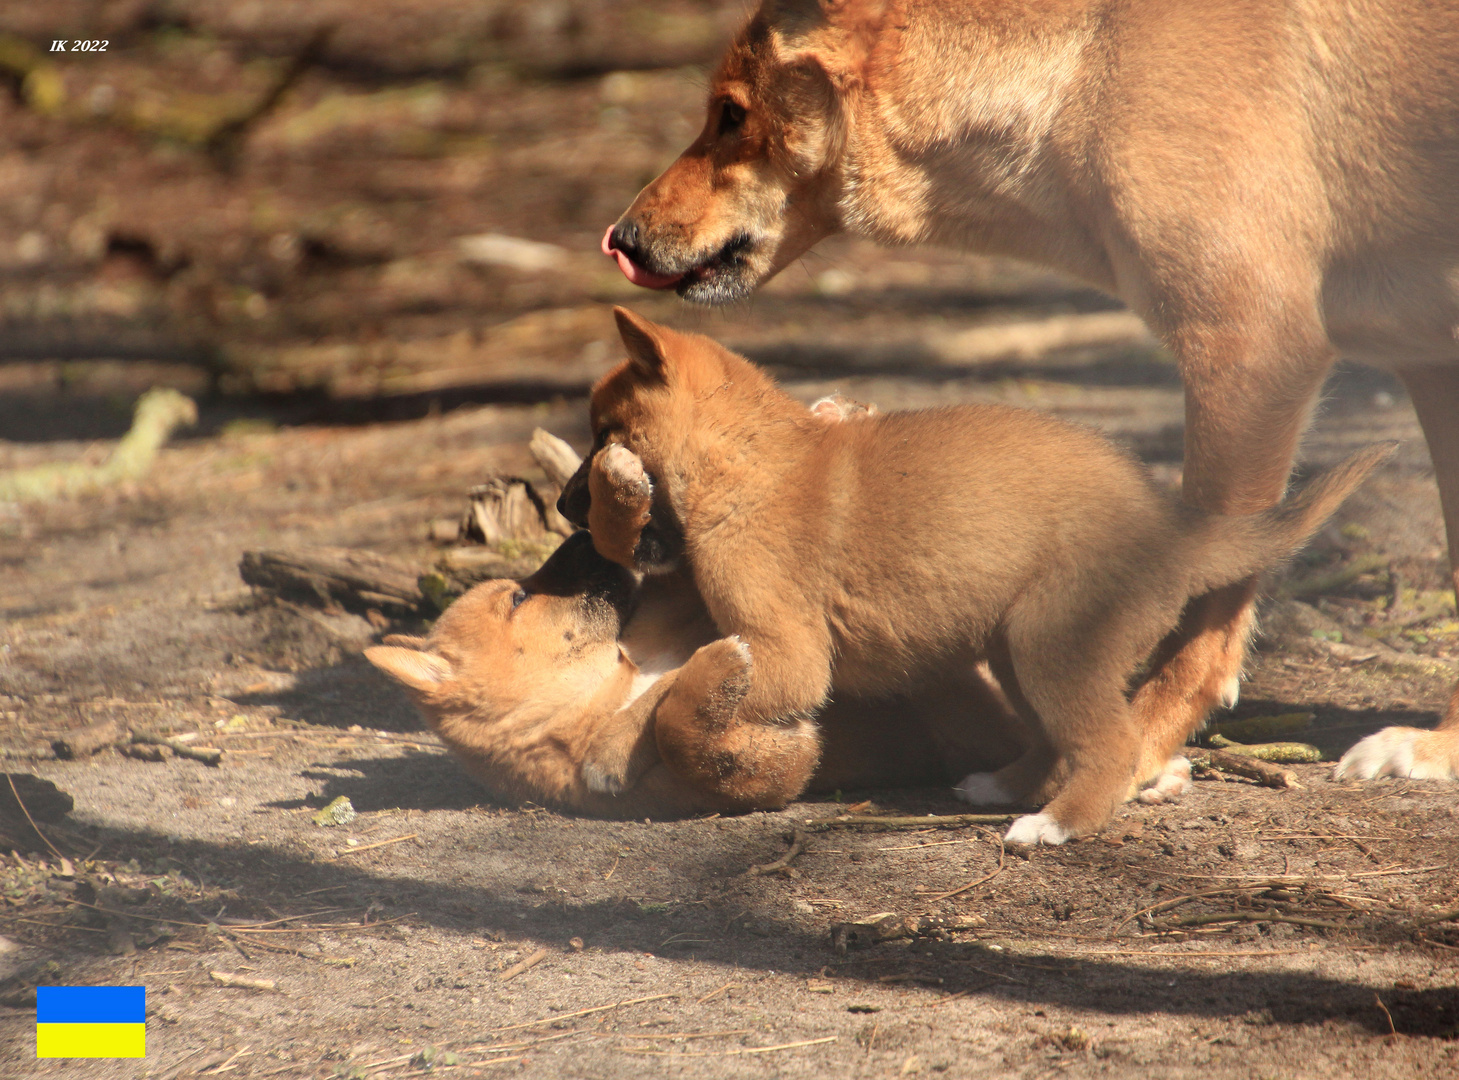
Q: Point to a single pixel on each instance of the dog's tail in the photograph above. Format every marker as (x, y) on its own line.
(1230, 548)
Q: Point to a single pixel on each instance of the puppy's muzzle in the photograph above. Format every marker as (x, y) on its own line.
(575, 499)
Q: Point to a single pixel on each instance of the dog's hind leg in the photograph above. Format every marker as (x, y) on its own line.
(1396, 751)
(1246, 408)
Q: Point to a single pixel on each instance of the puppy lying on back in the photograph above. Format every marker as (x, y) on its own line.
(581, 688)
(856, 557)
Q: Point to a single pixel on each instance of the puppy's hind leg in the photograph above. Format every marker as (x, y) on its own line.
(1076, 689)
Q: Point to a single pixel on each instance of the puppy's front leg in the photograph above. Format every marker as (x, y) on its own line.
(622, 502)
(703, 735)
(620, 747)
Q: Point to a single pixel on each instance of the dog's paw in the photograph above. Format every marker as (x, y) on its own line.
(1230, 692)
(983, 789)
(1170, 785)
(601, 780)
(835, 408)
(1404, 752)
(624, 469)
(1032, 829)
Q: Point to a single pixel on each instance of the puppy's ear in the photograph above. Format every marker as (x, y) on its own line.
(423, 672)
(644, 342)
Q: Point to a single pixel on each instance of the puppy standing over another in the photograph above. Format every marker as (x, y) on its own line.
(857, 556)
(579, 688)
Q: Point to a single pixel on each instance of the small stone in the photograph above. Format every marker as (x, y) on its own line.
(339, 812)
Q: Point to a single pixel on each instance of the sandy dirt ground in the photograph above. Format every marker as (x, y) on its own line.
(303, 278)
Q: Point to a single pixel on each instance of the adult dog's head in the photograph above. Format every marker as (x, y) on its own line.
(762, 182)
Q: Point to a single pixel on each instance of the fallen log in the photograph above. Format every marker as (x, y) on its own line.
(354, 580)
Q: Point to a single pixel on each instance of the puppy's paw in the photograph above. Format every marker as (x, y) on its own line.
(1170, 785)
(835, 408)
(601, 780)
(984, 789)
(724, 661)
(1403, 752)
(1032, 829)
(1230, 692)
(624, 471)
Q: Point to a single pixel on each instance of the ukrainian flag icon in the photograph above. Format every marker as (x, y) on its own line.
(90, 1021)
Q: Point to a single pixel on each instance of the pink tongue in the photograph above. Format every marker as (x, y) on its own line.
(635, 273)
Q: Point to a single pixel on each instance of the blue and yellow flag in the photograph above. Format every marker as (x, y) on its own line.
(91, 1021)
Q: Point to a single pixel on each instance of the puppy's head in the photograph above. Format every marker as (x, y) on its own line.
(516, 649)
(671, 403)
(763, 181)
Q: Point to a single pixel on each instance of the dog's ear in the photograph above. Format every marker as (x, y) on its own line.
(644, 342)
(422, 672)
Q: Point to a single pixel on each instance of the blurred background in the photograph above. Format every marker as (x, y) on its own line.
(325, 198)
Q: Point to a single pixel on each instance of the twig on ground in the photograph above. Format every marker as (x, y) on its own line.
(206, 754)
(932, 821)
(782, 865)
(889, 926)
(1002, 851)
(524, 965)
(1392, 1030)
(580, 1012)
(367, 847)
(242, 982)
(21, 803)
(730, 1053)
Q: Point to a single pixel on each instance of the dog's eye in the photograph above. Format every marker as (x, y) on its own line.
(518, 597)
(731, 116)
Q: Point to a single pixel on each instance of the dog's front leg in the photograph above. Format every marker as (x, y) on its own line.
(703, 735)
(1246, 406)
(1404, 751)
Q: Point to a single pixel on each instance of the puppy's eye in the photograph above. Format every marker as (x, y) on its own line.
(731, 116)
(518, 597)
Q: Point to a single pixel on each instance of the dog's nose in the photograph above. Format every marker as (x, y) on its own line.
(624, 238)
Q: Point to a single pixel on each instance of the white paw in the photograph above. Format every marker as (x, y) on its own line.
(1398, 751)
(1170, 785)
(624, 467)
(603, 783)
(983, 789)
(1036, 829)
(1231, 692)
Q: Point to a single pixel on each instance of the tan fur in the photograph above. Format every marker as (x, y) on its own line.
(1270, 185)
(545, 694)
(861, 556)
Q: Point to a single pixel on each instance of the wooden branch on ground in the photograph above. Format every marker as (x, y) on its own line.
(1239, 765)
(889, 926)
(354, 580)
